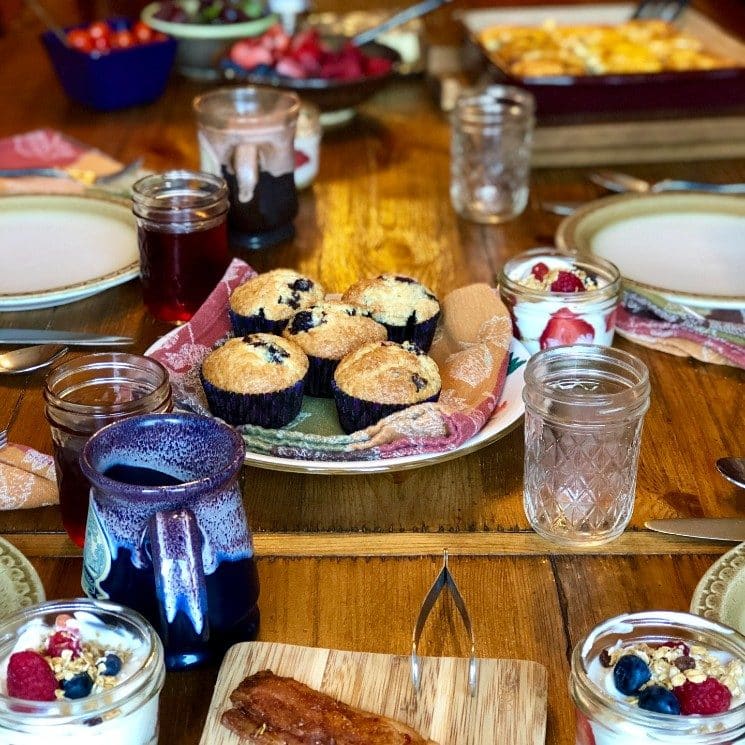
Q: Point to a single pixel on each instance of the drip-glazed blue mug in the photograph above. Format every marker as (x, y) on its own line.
(167, 533)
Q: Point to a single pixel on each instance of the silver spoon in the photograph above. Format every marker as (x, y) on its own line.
(733, 469)
(26, 359)
(398, 19)
(623, 182)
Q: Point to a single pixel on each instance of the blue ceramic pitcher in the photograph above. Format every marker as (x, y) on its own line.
(167, 533)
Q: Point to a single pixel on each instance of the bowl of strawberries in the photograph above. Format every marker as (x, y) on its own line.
(330, 71)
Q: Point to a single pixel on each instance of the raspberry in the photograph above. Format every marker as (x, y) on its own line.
(30, 677)
(709, 697)
(567, 282)
(539, 270)
(61, 640)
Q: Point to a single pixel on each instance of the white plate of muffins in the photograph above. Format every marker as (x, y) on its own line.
(311, 379)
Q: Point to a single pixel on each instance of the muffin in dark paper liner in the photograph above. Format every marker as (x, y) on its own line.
(326, 332)
(255, 379)
(407, 308)
(381, 378)
(266, 302)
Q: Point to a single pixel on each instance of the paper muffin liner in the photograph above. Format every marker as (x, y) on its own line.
(271, 410)
(320, 375)
(356, 413)
(420, 334)
(243, 325)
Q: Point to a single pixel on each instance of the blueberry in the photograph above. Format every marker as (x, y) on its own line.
(301, 285)
(263, 70)
(630, 674)
(302, 321)
(112, 665)
(418, 381)
(659, 699)
(79, 686)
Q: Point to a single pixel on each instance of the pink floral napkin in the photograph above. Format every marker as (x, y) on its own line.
(471, 348)
(27, 478)
(45, 148)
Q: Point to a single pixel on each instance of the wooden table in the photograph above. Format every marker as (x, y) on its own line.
(345, 561)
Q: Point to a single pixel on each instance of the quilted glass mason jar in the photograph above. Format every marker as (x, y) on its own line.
(492, 133)
(584, 408)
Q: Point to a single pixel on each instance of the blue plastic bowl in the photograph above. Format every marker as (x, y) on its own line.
(112, 80)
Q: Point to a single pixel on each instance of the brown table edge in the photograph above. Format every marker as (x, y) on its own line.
(410, 545)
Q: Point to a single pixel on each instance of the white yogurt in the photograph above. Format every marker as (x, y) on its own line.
(125, 714)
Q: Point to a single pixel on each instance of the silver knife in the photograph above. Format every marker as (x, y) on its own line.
(711, 528)
(50, 336)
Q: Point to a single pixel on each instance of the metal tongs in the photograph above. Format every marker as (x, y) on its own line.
(443, 580)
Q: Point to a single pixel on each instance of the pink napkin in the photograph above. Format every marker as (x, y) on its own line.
(45, 148)
(27, 478)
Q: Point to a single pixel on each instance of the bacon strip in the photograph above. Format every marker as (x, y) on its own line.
(271, 710)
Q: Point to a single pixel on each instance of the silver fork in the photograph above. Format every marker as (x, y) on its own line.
(3, 438)
(666, 10)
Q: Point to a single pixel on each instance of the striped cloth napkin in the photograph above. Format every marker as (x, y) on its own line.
(27, 478)
(708, 334)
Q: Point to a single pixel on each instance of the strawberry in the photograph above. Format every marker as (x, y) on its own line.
(709, 697)
(585, 735)
(539, 270)
(61, 640)
(565, 327)
(375, 66)
(567, 282)
(290, 68)
(30, 677)
(248, 55)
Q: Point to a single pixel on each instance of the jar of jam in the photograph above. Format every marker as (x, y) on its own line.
(183, 240)
(85, 394)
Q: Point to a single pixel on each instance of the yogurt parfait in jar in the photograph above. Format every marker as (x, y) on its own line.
(659, 677)
(556, 298)
(79, 671)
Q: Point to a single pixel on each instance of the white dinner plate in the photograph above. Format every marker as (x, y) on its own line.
(20, 585)
(505, 418)
(720, 595)
(686, 247)
(57, 248)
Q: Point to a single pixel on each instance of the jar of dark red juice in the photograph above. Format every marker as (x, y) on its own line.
(84, 395)
(183, 239)
(247, 135)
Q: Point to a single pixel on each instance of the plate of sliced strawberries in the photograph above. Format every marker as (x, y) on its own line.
(330, 71)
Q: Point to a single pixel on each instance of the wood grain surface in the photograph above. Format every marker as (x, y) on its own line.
(345, 561)
(509, 705)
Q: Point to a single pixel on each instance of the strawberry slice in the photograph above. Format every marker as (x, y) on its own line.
(248, 55)
(565, 327)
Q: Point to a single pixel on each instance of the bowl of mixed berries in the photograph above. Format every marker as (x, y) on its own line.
(205, 29)
(330, 71)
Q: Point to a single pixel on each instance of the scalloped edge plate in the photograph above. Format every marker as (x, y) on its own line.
(720, 594)
(20, 585)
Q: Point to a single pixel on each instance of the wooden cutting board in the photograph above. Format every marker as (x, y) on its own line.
(509, 708)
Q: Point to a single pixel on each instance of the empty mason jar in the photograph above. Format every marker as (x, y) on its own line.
(584, 408)
(492, 133)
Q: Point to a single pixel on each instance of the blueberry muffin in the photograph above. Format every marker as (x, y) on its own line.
(326, 332)
(380, 378)
(266, 302)
(255, 379)
(403, 305)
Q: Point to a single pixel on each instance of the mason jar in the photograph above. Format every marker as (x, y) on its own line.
(606, 717)
(182, 235)
(584, 409)
(125, 714)
(85, 394)
(543, 318)
(491, 140)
